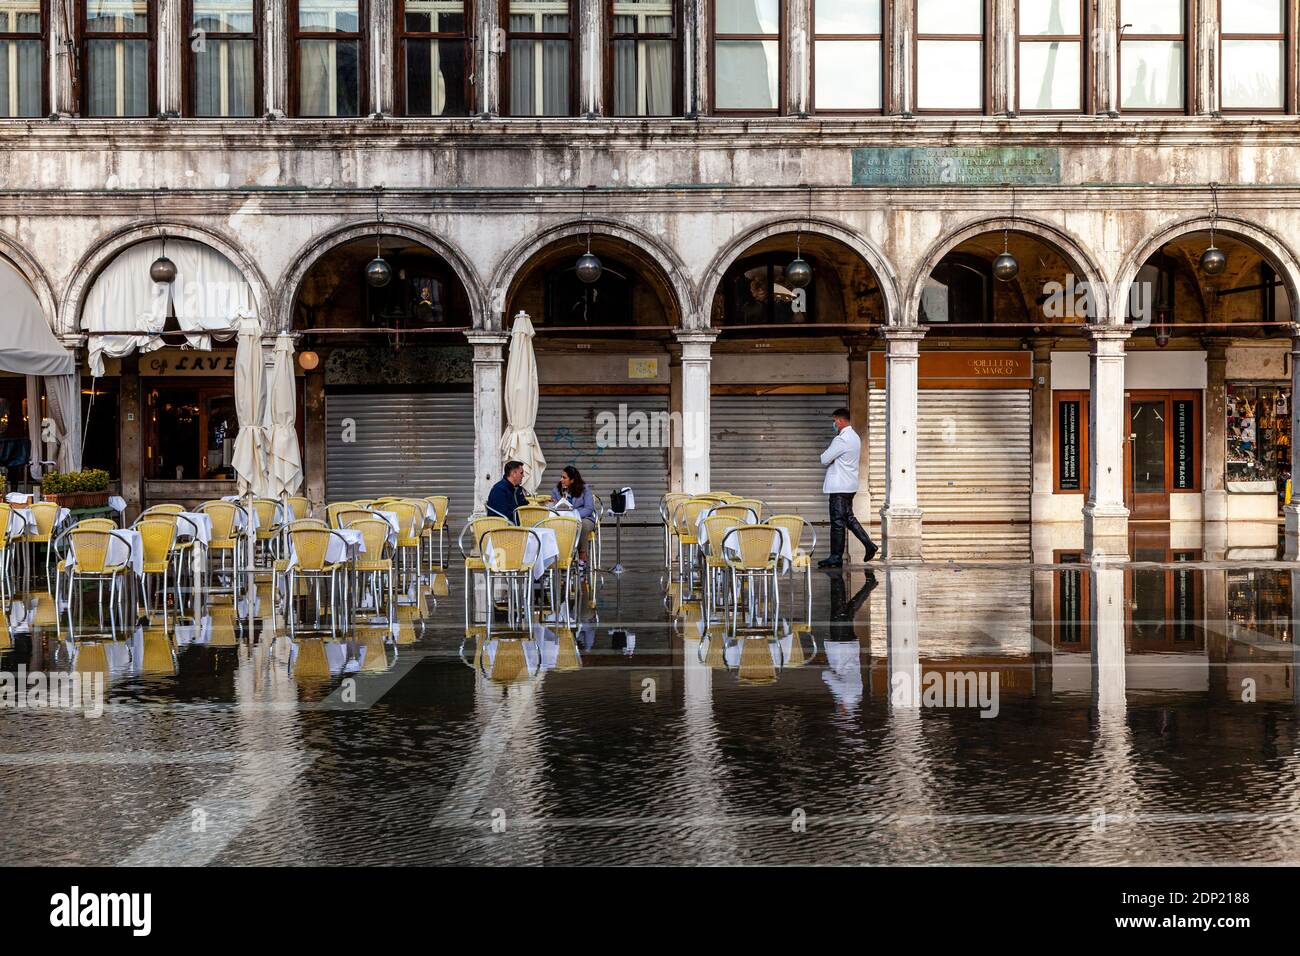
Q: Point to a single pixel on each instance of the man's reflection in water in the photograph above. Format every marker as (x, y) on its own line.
(843, 674)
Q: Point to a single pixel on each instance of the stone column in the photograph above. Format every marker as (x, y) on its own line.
(798, 67)
(898, 83)
(1041, 497)
(173, 43)
(1105, 518)
(314, 435)
(380, 60)
(275, 59)
(131, 436)
(1293, 509)
(697, 397)
(900, 518)
(675, 414)
(591, 44)
(1214, 489)
(489, 366)
(1002, 97)
(1104, 75)
(859, 405)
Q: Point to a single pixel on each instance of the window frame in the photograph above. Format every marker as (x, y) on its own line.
(189, 75)
(84, 36)
(1289, 64)
(678, 65)
(782, 56)
(1189, 63)
(575, 78)
(1086, 100)
(43, 38)
(886, 60)
(986, 38)
(401, 34)
(296, 35)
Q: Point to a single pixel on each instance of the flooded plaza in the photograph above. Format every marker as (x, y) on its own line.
(951, 711)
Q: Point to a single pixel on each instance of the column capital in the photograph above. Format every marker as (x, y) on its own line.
(485, 337)
(1106, 331)
(903, 333)
(1295, 336)
(685, 336)
(697, 345)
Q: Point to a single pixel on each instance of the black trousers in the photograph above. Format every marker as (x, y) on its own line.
(842, 517)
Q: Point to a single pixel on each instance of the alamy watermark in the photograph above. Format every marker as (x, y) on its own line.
(56, 690)
(624, 428)
(947, 690)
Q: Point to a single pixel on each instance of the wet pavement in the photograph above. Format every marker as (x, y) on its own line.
(952, 711)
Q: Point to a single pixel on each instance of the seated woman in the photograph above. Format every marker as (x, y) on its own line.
(573, 490)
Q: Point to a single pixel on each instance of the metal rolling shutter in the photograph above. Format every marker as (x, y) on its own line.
(974, 464)
(415, 443)
(770, 446)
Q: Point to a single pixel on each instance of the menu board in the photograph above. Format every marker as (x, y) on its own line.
(1184, 444)
(1067, 452)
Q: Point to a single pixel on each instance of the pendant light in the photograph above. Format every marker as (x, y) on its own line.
(1213, 260)
(588, 266)
(162, 270)
(1006, 267)
(799, 273)
(378, 272)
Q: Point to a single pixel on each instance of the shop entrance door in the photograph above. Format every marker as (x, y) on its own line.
(1146, 465)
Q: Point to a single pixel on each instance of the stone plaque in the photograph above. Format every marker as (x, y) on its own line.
(956, 165)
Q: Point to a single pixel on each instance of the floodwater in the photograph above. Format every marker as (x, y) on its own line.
(950, 712)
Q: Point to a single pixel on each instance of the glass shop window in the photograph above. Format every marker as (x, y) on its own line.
(1259, 433)
(192, 433)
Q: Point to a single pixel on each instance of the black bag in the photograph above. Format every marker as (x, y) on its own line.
(617, 502)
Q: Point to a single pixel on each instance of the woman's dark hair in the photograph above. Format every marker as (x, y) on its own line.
(576, 485)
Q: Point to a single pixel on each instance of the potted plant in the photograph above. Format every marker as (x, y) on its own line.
(77, 489)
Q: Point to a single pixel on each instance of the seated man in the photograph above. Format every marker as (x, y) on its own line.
(507, 494)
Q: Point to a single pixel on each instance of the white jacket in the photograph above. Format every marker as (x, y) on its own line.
(841, 461)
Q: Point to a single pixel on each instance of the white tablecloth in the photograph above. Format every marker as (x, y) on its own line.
(550, 551)
(194, 524)
(702, 530)
(126, 547)
(344, 545)
(241, 511)
(23, 520)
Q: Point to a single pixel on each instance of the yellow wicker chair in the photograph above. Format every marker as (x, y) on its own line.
(440, 505)
(667, 504)
(751, 553)
(333, 509)
(531, 515)
(376, 559)
(475, 528)
(225, 531)
(753, 504)
(90, 548)
(6, 515)
(685, 517)
(505, 556)
(410, 525)
(157, 539)
(162, 509)
(543, 500)
(46, 516)
(800, 558)
(742, 513)
(301, 506)
(716, 527)
(566, 541)
(310, 545)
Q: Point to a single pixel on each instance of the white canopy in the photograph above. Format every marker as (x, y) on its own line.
(208, 297)
(520, 440)
(283, 457)
(28, 346)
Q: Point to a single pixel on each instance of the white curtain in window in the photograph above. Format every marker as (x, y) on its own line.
(34, 426)
(63, 393)
(555, 67)
(209, 297)
(659, 68)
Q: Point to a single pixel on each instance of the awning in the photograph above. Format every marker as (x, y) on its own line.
(27, 346)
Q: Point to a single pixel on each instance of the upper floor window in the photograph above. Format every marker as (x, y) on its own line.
(330, 54)
(1051, 55)
(747, 61)
(1252, 55)
(960, 289)
(222, 57)
(540, 50)
(22, 58)
(1152, 55)
(116, 57)
(848, 65)
(949, 61)
(434, 57)
(644, 65)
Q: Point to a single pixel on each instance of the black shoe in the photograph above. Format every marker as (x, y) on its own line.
(831, 563)
(872, 551)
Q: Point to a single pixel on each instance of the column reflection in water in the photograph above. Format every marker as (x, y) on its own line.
(705, 763)
(904, 652)
(1111, 789)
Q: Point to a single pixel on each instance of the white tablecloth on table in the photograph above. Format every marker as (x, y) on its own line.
(344, 545)
(126, 547)
(702, 530)
(550, 551)
(23, 520)
(241, 511)
(194, 524)
(18, 498)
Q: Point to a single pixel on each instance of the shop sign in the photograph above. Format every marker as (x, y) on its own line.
(167, 363)
(643, 367)
(966, 369)
(956, 165)
(1068, 452)
(1184, 444)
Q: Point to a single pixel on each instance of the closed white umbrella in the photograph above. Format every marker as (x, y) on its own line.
(250, 444)
(520, 440)
(284, 459)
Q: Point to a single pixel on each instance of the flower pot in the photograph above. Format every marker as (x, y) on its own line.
(79, 499)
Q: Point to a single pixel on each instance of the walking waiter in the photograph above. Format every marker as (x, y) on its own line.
(841, 461)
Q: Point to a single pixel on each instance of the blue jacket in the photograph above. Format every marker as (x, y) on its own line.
(504, 499)
(584, 506)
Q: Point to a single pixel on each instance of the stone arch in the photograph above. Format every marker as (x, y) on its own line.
(36, 277)
(1266, 242)
(1067, 245)
(672, 272)
(880, 266)
(311, 252)
(106, 249)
